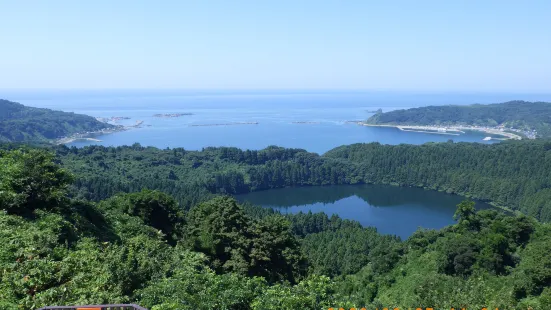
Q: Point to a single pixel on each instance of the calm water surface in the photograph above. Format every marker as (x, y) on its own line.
(392, 210)
(275, 113)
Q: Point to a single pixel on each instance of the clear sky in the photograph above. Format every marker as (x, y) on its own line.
(481, 45)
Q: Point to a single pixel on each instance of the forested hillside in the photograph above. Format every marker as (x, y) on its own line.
(145, 248)
(513, 114)
(20, 123)
(513, 174)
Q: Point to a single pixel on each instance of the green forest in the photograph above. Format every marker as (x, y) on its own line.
(511, 174)
(20, 123)
(160, 228)
(513, 114)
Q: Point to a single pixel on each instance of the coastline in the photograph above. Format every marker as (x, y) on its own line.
(89, 136)
(448, 130)
(73, 139)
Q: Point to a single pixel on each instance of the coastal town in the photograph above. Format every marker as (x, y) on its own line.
(112, 119)
(501, 130)
(89, 135)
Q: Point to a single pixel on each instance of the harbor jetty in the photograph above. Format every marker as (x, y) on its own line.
(171, 115)
(224, 124)
(138, 124)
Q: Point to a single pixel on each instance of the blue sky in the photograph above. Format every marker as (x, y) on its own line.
(298, 44)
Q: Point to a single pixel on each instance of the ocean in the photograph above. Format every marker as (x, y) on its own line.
(311, 120)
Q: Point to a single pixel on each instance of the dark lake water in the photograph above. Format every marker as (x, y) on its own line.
(275, 111)
(392, 210)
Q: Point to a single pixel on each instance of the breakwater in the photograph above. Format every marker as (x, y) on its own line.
(170, 115)
(224, 124)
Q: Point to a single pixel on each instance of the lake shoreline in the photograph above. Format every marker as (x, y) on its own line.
(371, 205)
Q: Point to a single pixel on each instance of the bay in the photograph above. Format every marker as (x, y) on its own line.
(312, 120)
(392, 210)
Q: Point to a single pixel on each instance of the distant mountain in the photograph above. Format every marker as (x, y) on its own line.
(520, 115)
(20, 123)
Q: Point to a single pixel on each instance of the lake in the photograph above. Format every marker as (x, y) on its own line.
(277, 114)
(392, 210)
(311, 120)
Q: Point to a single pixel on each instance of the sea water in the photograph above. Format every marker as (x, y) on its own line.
(313, 120)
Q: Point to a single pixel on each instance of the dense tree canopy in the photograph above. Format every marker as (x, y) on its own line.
(144, 248)
(154, 208)
(21, 123)
(512, 114)
(30, 180)
(512, 174)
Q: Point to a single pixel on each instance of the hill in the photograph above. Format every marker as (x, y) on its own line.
(144, 248)
(521, 116)
(512, 174)
(19, 123)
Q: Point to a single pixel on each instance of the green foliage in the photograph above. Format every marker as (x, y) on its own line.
(155, 208)
(512, 114)
(20, 123)
(316, 292)
(141, 247)
(346, 250)
(193, 285)
(466, 215)
(512, 174)
(30, 180)
(236, 243)
(220, 229)
(458, 255)
(275, 253)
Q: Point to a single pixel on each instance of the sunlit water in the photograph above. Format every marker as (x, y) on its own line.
(392, 210)
(275, 113)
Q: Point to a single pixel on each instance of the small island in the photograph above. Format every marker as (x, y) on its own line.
(172, 115)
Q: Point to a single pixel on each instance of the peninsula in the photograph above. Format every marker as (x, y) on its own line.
(19, 123)
(512, 120)
(90, 135)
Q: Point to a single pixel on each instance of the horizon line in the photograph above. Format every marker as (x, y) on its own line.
(288, 90)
